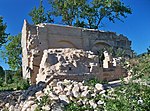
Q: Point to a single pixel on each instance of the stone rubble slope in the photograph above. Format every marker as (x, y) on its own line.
(57, 94)
(10, 97)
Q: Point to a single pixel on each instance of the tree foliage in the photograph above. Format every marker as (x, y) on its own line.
(83, 13)
(69, 10)
(38, 15)
(12, 52)
(98, 10)
(3, 35)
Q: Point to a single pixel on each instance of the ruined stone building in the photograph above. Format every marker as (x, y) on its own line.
(37, 38)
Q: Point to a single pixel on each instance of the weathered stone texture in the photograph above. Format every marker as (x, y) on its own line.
(37, 38)
(65, 62)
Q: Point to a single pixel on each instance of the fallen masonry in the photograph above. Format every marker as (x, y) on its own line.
(57, 94)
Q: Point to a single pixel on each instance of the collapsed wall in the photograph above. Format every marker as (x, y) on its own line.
(76, 64)
(37, 38)
(66, 62)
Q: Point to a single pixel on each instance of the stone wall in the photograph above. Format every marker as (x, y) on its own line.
(103, 75)
(75, 64)
(67, 61)
(37, 38)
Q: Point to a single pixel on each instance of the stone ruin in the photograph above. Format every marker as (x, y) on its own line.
(76, 64)
(66, 62)
(50, 51)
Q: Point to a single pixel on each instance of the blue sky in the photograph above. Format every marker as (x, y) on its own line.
(136, 26)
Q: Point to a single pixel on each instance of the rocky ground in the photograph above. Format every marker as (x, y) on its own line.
(10, 97)
(53, 96)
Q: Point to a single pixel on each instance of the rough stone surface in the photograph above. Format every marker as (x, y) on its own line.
(85, 93)
(57, 107)
(37, 38)
(74, 62)
(33, 107)
(76, 65)
(11, 108)
(47, 108)
(54, 101)
(99, 86)
(64, 99)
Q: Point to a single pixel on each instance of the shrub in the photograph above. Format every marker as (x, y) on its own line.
(75, 107)
(44, 100)
(19, 84)
(142, 69)
(129, 97)
(94, 81)
(1, 81)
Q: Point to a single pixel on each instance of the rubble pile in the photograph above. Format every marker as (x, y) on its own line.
(56, 95)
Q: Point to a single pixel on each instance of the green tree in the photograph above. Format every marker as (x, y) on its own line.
(98, 10)
(12, 52)
(3, 35)
(38, 15)
(69, 10)
(89, 14)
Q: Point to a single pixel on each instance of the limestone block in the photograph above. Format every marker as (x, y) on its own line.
(46, 108)
(75, 91)
(33, 107)
(64, 99)
(11, 108)
(99, 86)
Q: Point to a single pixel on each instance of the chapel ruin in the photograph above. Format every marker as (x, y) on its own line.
(49, 49)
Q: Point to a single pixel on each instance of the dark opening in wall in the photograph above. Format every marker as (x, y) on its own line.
(70, 68)
(89, 67)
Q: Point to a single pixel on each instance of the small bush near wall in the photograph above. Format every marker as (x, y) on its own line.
(14, 84)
